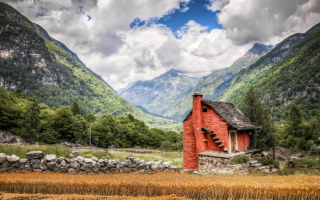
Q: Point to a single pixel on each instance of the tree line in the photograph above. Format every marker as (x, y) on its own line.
(36, 122)
(295, 133)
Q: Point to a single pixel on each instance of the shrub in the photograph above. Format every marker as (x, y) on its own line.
(240, 159)
(257, 155)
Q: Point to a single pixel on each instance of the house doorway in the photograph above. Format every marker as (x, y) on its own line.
(233, 140)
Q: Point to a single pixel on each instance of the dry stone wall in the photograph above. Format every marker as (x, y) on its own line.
(36, 161)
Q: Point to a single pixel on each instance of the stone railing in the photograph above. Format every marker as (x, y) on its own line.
(37, 162)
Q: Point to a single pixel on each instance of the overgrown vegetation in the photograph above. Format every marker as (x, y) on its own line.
(240, 159)
(36, 122)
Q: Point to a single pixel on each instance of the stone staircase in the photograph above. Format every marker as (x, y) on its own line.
(214, 137)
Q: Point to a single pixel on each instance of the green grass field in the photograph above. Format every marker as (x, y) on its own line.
(60, 151)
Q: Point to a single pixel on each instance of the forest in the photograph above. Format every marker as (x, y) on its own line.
(36, 122)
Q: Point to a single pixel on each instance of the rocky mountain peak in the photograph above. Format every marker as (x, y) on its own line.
(260, 49)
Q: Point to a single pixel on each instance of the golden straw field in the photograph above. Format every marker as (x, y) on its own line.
(181, 185)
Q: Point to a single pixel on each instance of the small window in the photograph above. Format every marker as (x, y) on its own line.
(204, 110)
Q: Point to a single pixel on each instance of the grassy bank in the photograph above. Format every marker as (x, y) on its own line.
(20, 150)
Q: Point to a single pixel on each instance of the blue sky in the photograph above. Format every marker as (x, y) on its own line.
(195, 10)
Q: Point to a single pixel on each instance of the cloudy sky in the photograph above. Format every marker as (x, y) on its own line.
(129, 40)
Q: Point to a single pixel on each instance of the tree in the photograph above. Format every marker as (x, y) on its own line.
(19, 93)
(258, 114)
(79, 129)
(31, 122)
(104, 130)
(75, 109)
(62, 122)
(89, 117)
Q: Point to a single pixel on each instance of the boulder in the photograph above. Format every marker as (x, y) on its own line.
(63, 163)
(3, 158)
(149, 163)
(50, 157)
(120, 165)
(113, 146)
(95, 159)
(43, 167)
(130, 157)
(141, 165)
(35, 163)
(71, 171)
(88, 161)
(52, 165)
(101, 161)
(75, 165)
(94, 164)
(14, 158)
(167, 164)
(86, 166)
(23, 161)
(4, 164)
(14, 164)
(280, 157)
(79, 159)
(63, 169)
(59, 160)
(9, 139)
(74, 154)
(35, 155)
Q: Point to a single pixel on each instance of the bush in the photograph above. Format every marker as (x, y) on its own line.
(265, 161)
(240, 159)
(257, 155)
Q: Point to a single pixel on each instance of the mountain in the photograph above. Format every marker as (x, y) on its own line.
(43, 67)
(214, 84)
(290, 73)
(158, 94)
(119, 91)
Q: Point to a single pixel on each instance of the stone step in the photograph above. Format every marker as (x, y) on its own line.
(205, 140)
(217, 142)
(225, 149)
(212, 134)
(256, 165)
(221, 145)
(209, 132)
(215, 138)
(205, 128)
(253, 161)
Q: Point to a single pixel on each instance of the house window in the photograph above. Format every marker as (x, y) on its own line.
(204, 110)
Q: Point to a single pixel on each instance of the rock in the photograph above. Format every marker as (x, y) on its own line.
(43, 167)
(167, 164)
(88, 160)
(113, 146)
(141, 165)
(2, 154)
(14, 158)
(14, 164)
(280, 157)
(106, 161)
(35, 163)
(71, 171)
(67, 160)
(195, 172)
(86, 165)
(23, 161)
(52, 165)
(95, 159)
(59, 160)
(149, 163)
(299, 155)
(63, 163)
(63, 169)
(127, 162)
(4, 164)
(75, 165)
(101, 161)
(35, 155)
(50, 157)
(120, 165)
(74, 154)
(79, 159)
(94, 163)
(9, 139)
(130, 157)
(266, 155)
(3, 158)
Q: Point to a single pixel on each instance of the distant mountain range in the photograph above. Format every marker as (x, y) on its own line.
(158, 94)
(43, 67)
(214, 84)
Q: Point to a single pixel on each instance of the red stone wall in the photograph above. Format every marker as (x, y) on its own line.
(214, 123)
(190, 156)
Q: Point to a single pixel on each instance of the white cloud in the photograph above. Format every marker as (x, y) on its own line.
(265, 21)
(120, 54)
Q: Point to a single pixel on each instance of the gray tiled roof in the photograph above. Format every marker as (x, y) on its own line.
(229, 113)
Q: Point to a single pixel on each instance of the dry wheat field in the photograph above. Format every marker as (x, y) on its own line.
(182, 185)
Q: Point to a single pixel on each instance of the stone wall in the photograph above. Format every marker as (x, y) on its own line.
(214, 165)
(37, 162)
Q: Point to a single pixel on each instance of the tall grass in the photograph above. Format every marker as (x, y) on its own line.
(292, 187)
(174, 156)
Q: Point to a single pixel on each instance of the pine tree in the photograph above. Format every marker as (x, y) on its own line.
(75, 109)
(258, 114)
(31, 123)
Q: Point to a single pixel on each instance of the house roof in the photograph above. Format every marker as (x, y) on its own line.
(229, 113)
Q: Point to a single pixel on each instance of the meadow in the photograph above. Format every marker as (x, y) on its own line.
(183, 185)
(176, 157)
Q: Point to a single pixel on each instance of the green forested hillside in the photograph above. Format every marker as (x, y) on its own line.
(37, 64)
(294, 79)
(213, 85)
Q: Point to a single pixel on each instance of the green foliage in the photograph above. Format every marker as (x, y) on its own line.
(258, 114)
(75, 109)
(240, 159)
(265, 161)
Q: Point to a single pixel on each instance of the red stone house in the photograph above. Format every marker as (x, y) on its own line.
(216, 126)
